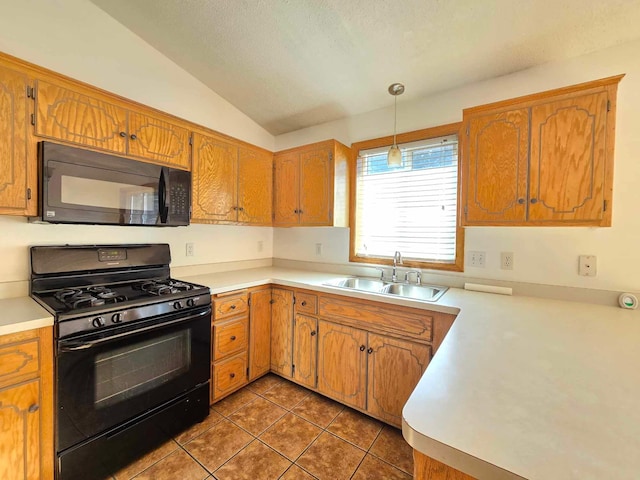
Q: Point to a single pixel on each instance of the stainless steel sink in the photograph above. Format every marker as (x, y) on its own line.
(418, 292)
(427, 293)
(365, 284)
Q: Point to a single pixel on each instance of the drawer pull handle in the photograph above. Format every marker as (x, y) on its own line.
(296, 211)
(34, 408)
(304, 303)
(123, 134)
(232, 307)
(362, 348)
(521, 201)
(534, 200)
(134, 136)
(233, 337)
(370, 350)
(232, 375)
(313, 333)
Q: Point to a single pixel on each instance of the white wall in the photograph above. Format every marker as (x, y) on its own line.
(75, 38)
(542, 255)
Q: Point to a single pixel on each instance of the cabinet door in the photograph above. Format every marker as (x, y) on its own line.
(255, 186)
(228, 375)
(316, 187)
(214, 180)
(158, 140)
(281, 331)
(15, 151)
(568, 152)
(260, 333)
(74, 117)
(395, 367)
(20, 432)
(305, 350)
(342, 363)
(495, 167)
(286, 186)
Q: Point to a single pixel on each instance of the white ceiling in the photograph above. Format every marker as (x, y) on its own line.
(290, 64)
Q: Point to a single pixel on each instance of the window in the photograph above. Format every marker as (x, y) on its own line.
(411, 208)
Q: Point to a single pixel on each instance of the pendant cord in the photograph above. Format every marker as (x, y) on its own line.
(395, 118)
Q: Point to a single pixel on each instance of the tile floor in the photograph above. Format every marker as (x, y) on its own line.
(274, 429)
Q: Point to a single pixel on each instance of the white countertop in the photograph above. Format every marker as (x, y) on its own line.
(22, 313)
(521, 387)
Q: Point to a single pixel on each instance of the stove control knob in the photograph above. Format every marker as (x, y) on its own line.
(116, 318)
(177, 305)
(98, 322)
(191, 302)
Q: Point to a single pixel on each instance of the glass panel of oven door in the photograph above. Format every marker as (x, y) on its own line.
(110, 382)
(114, 193)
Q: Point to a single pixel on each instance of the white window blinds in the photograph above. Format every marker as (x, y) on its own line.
(410, 208)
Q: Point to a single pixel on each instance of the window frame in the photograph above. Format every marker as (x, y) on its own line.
(416, 135)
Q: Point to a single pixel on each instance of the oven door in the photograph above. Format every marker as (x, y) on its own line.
(110, 377)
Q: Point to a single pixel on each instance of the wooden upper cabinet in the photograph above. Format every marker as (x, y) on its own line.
(305, 350)
(157, 139)
(568, 159)
(281, 331)
(77, 117)
(214, 180)
(18, 171)
(498, 150)
(544, 159)
(311, 185)
(395, 367)
(255, 186)
(286, 189)
(342, 363)
(316, 187)
(259, 333)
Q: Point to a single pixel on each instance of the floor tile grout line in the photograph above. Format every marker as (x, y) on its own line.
(197, 461)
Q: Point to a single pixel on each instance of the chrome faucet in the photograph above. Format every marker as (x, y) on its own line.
(397, 259)
(381, 272)
(418, 276)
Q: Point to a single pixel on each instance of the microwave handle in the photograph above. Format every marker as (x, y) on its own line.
(162, 190)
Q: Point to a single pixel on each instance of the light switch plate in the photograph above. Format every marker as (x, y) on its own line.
(588, 265)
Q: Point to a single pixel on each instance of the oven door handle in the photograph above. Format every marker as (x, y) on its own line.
(71, 346)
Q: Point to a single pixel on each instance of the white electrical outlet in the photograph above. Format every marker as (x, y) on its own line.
(476, 259)
(588, 265)
(190, 249)
(506, 260)
(260, 245)
(318, 249)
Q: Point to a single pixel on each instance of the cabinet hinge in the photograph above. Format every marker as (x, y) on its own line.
(604, 206)
(608, 105)
(293, 370)
(191, 140)
(33, 119)
(330, 155)
(28, 194)
(467, 130)
(466, 209)
(249, 301)
(247, 371)
(31, 93)
(294, 299)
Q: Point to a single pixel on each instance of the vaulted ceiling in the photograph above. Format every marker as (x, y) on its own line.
(290, 64)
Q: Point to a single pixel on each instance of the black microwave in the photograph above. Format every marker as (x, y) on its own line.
(83, 186)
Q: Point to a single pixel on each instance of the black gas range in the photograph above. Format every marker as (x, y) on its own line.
(133, 351)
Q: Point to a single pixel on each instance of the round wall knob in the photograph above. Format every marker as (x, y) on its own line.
(133, 136)
(233, 337)
(232, 375)
(521, 201)
(362, 348)
(34, 408)
(313, 333)
(534, 200)
(232, 307)
(370, 350)
(123, 134)
(304, 303)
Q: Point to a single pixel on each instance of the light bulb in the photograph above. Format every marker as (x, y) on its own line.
(394, 157)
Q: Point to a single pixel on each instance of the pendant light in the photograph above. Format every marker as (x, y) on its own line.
(394, 157)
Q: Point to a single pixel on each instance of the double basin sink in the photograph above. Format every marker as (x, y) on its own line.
(427, 293)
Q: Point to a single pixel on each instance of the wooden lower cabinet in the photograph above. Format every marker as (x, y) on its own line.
(281, 331)
(228, 375)
(342, 363)
(26, 405)
(426, 468)
(395, 367)
(305, 350)
(230, 336)
(259, 332)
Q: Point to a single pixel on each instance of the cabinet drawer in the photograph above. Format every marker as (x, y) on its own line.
(306, 303)
(373, 316)
(19, 361)
(229, 337)
(228, 375)
(228, 306)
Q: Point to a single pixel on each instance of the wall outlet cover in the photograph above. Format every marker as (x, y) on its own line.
(506, 260)
(190, 249)
(476, 259)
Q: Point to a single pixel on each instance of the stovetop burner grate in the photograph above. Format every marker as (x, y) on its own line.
(94, 296)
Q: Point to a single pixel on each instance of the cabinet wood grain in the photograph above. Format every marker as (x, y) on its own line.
(426, 468)
(395, 367)
(154, 138)
(229, 374)
(281, 331)
(230, 305)
(342, 363)
(230, 336)
(255, 186)
(286, 190)
(260, 333)
(76, 117)
(316, 187)
(305, 350)
(17, 155)
(19, 361)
